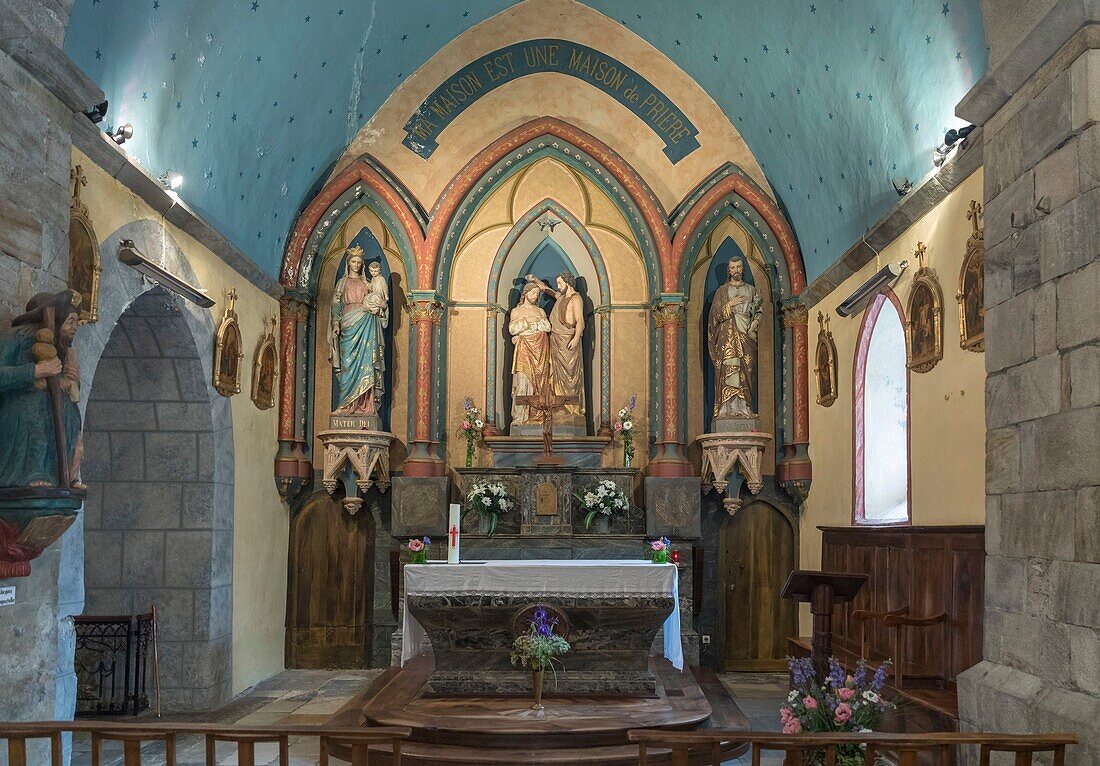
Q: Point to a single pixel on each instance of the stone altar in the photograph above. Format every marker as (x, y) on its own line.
(609, 611)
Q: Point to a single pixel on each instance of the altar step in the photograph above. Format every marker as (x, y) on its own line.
(575, 731)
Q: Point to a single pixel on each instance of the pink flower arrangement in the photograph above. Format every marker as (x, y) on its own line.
(840, 702)
(659, 545)
(416, 545)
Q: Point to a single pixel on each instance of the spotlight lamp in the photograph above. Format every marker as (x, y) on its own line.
(952, 137)
(123, 133)
(97, 113)
(171, 180)
(902, 186)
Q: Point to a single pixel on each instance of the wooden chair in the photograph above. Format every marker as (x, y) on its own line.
(899, 624)
(132, 739)
(358, 745)
(246, 746)
(864, 616)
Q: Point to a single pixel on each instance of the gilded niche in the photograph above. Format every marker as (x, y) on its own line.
(971, 295)
(84, 263)
(924, 325)
(228, 350)
(265, 368)
(825, 358)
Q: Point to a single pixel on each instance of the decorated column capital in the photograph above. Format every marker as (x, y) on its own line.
(793, 312)
(425, 306)
(670, 309)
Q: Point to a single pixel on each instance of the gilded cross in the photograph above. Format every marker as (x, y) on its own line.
(974, 214)
(919, 252)
(78, 179)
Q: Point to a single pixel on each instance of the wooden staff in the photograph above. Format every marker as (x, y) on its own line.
(53, 386)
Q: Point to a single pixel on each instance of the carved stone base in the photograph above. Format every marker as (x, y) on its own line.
(358, 460)
(732, 459)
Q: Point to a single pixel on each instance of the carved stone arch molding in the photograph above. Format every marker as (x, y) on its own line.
(729, 193)
(496, 300)
(501, 160)
(152, 338)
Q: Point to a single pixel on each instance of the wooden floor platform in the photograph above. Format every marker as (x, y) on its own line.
(570, 730)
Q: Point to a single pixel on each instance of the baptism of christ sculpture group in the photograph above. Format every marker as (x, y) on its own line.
(548, 368)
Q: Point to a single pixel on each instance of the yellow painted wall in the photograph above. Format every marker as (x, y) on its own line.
(260, 520)
(487, 229)
(946, 404)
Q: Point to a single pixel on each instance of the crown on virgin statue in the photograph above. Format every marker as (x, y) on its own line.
(354, 250)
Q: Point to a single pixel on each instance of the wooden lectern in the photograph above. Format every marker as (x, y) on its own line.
(821, 590)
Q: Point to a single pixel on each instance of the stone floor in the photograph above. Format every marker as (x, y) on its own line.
(314, 696)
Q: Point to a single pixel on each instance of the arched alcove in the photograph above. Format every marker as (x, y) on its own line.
(158, 523)
(881, 416)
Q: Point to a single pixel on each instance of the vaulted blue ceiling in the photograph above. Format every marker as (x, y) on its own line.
(252, 100)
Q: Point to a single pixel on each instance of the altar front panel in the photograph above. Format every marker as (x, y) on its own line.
(472, 612)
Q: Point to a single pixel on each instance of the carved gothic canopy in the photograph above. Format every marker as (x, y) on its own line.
(825, 360)
(971, 294)
(84, 262)
(265, 368)
(228, 351)
(924, 325)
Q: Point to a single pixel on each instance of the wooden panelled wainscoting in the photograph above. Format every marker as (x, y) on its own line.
(382, 746)
(922, 608)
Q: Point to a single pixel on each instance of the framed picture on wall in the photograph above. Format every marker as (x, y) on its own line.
(265, 368)
(825, 362)
(228, 351)
(924, 322)
(971, 294)
(84, 262)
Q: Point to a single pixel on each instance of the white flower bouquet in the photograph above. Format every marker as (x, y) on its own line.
(605, 498)
(490, 501)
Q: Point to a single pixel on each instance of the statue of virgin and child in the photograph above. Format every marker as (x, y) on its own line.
(357, 343)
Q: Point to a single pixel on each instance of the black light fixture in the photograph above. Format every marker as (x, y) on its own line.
(123, 133)
(132, 257)
(952, 137)
(97, 112)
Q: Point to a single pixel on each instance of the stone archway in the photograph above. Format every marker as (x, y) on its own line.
(158, 526)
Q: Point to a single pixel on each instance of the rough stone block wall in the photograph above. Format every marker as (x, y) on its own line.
(158, 528)
(1041, 670)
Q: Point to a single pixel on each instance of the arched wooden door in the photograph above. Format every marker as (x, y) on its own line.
(331, 588)
(757, 552)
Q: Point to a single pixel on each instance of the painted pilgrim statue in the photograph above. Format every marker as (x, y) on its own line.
(30, 354)
(530, 331)
(566, 330)
(732, 328)
(357, 344)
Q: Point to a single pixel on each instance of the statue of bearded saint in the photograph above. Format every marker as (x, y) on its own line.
(566, 332)
(732, 328)
(357, 345)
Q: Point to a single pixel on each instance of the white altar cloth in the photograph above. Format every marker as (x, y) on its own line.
(543, 578)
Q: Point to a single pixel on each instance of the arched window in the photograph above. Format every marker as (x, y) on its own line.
(881, 416)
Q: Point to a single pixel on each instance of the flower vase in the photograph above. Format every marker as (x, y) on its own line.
(601, 524)
(469, 455)
(536, 686)
(660, 557)
(627, 459)
(419, 557)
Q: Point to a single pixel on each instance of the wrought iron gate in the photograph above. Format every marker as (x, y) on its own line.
(112, 663)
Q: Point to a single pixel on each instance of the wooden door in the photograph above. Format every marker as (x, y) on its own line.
(331, 586)
(757, 553)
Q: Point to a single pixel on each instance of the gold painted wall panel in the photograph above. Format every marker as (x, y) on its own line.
(946, 405)
(630, 374)
(550, 178)
(465, 373)
(625, 270)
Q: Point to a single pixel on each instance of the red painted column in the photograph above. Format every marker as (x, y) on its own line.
(426, 313)
(670, 460)
(795, 471)
(286, 461)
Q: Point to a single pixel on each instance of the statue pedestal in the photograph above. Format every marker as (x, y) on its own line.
(32, 519)
(358, 459)
(731, 459)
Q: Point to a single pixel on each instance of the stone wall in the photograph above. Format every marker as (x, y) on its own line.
(40, 90)
(1041, 670)
(158, 528)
